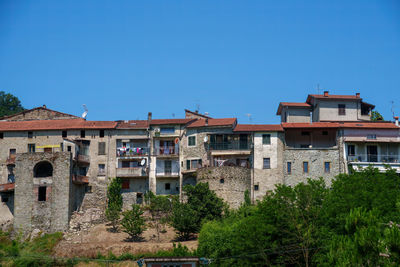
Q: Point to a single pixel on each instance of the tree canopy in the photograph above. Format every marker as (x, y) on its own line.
(9, 104)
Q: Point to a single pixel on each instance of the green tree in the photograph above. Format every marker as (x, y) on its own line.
(114, 204)
(160, 208)
(184, 219)
(133, 222)
(9, 104)
(376, 116)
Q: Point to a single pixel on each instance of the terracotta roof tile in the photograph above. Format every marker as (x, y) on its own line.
(258, 128)
(44, 108)
(133, 124)
(170, 121)
(63, 124)
(213, 122)
(333, 97)
(291, 104)
(369, 125)
(289, 125)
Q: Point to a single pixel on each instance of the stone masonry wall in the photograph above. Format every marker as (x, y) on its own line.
(236, 180)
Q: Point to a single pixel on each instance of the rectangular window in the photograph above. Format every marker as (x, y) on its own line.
(192, 140)
(13, 151)
(187, 164)
(61, 147)
(102, 169)
(256, 187)
(305, 133)
(64, 134)
(196, 163)
(167, 130)
(305, 167)
(167, 167)
(31, 148)
(167, 186)
(69, 148)
(125, 164)
(327, 167)
(324, 132)
(266, 139)
(125, 183)
(1, 135)
(42, 193)
(266, 163)
(342, 109)
(101, 134)
(351, 150)
(371, 136)
(30, 134)
(102, 148)
(83, 133)
(289, 168)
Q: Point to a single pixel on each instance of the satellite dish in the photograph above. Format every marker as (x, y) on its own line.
(84, 114)
(143, 162)
(205, 139)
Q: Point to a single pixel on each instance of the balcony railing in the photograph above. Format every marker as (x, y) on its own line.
(80, 179)
(135, 151)
(230, 146)
(83, 158)
(374, 158)
(167, 173)
(166, 150)
(132, 172)
(7, 187)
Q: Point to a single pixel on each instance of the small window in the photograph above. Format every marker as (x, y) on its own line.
(69, 148)
(13, 151)
(266, 163)
(187, 164)
(305, 167)
(1, 135)
(30, 134)
(102, 169)
(125, 184)
(324, 132)
(304, 133)
(31, 148)
(167, 186)
(125, 164)
(101, 134)
(342, 109)
(351, 150)
(266, 139)
(327, 167)
(167, 130)
(88, 189)
(64, 134)
(61, 147)
(371, 136)
(289, 168)
(192, 140)
(256, 187)
(42, 193)
(221, 181)
(4, 199)
(102, 148)
(83, 133)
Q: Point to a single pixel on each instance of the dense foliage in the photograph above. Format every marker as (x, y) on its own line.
(376, 116)
(348, 224)
(160, 208)
(114, 204)
(9, 104)
(133, 222)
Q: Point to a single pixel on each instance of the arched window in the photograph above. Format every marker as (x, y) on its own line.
(43, 169)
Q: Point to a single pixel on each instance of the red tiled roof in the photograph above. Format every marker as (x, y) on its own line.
(291, 104)
(289, 125)
(213, 122)
(133, 124)
(197, 114)
(369, 125)
(332, 97)
(63, 124)
(258, 128)
(170, 121)
(29, 110)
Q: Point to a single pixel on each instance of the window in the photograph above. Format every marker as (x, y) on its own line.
(1, 135)
(30, 134)
(256, 187)
(305, 167)
(342, 109)
(125, 164)
(125, 183)
(31, 148)
(371, 136)
(167, 167)
(305, 133)
(102, 148)
(289, 168)
(193, 164)
(64, 134)
(88, 189)
(221, 181)
(351, 150)
(61, 146)
(69, 148)
(304, 146)
(266, 139)
(192, 140)
(324, 132)
(267, 163)
(13, 151)
(167, 186)
(167, 130)
(102, 169)
(101, 134)
(83, 134)
(187, 164)
(43, 169)
(327, 167)
(42, 193)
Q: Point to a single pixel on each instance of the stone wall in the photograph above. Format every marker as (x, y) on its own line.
(228, 182)
(40, 113)
(52, 214)
(316, 159)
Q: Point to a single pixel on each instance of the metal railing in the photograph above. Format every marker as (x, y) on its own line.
(132, 172)
(230, 146)
(374, 158)
(166, 150)
(135, 151)
(83, 158)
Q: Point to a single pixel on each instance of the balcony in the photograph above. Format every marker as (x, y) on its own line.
(80, 179)
(167, 173)
(374, 158)
(82, 158)
(7, 187)
(136, 151)
(11, 159)
(166, 151)
(230, 146)
(132, 172)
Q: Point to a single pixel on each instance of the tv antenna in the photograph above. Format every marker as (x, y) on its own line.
(392, 102)
(197, 108)
(318, 89)
(84, 114)
(249, 116)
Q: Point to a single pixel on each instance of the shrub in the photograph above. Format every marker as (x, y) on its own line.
(133, 222)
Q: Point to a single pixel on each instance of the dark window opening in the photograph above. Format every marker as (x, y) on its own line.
(125, 184)
(192, 140)
(102, 148)
(42, 193)
(256, 187)
(324, 132)
(83, 134)
(266, 139)
(187, 164)
(222, 180)
(101, 134)
(305, 167)
(64, 134)
(289, 167)
(305, 133)
(43, 169)
(167, 186)
(351, 150)
(69, 148)
(1, 135)
(13, 151)
(342, 109)
(88, 189)
(267, 163)
(327, 167)
(30, 134)
(31, 148)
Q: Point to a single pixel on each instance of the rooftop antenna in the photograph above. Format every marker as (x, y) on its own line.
(84, 114)
(392, 108)
(197, 108)
(249, 116)
(318, 89)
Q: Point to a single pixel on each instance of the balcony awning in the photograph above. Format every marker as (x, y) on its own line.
(377, 140)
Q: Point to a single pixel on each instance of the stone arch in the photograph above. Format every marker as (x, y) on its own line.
(43, 169)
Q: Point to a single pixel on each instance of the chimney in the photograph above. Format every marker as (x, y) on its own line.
(396, 120)
(44, 106)
(149, 117)
(206, 123)
(358, 95)
(326, 93)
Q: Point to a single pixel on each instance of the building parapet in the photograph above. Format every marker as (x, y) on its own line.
(132, 172)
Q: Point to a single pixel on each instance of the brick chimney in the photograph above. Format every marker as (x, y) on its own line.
(326, 93)
(396, 120)
(358, 95)
(149, 116)
(44, 106)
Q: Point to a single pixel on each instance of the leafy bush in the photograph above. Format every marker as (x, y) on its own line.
(114, 204)
(133, 222)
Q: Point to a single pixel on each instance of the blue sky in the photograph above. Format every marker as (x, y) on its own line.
(232, 58)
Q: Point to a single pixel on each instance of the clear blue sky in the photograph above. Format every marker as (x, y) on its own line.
(125, 58)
